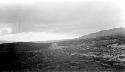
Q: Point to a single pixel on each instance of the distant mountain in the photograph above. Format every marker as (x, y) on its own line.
(38, 37)
(114, 31)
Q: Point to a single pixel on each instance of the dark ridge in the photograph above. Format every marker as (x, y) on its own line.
(114, 31)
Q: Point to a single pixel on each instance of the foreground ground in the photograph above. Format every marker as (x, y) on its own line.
(91, 55)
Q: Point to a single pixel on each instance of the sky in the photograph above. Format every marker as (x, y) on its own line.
(70, 17)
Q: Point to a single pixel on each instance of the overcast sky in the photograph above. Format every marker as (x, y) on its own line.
(76, 17)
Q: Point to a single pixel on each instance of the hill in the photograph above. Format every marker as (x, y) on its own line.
(85, 54)
(114, 31)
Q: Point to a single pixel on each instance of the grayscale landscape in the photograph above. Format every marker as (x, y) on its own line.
(90, 53)
(62, 36)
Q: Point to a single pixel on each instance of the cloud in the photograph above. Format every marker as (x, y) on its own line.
(5, 29)
(18, 2)
(76, 17)
(36, 36)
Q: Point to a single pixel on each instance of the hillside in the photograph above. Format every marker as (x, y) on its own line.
(114, 31)
(101, 53)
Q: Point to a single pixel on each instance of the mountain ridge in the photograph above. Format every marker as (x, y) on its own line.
(113, 31)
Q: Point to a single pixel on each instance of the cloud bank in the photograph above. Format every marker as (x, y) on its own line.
(35, 36)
